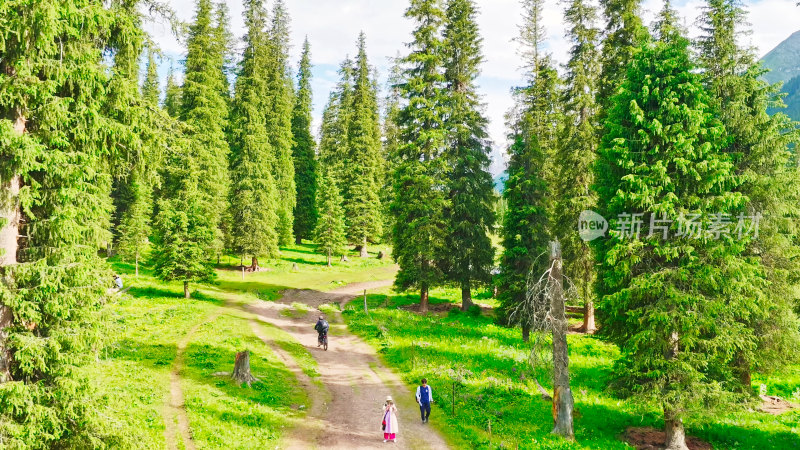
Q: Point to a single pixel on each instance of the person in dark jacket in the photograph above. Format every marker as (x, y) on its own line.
(322, 329)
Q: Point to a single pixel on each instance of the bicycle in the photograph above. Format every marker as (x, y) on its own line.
(323, 340)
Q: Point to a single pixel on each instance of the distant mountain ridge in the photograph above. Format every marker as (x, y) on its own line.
(783, 63)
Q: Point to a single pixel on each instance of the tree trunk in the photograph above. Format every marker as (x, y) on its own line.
(254, 264)
(137, 264)
(364, 253)
(329, 258)
(675, 433)
(9, 234)
(241, 369)
(588, 316)
(298, 240)
(563, 402)
(743, 372)
(466, 297)
(186, 293)
(423, 299)
(526, 333)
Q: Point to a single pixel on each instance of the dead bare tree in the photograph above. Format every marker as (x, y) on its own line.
(544, 312)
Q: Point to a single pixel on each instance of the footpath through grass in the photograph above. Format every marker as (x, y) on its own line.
(496, 404)
(146, 324)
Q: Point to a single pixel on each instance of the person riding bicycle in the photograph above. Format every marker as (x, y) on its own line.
(322, 328)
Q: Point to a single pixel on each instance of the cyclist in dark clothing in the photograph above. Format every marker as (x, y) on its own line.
(322, 328)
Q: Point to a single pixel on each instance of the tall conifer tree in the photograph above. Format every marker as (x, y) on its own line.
(623, 34)
(419, 177)
(253, 194)
(470, 216)
(677, 338)
(535, 127)
(362, 157)
(56, 133)
(336, 123)
(577, 150)
(150, 87)
(760, 145)
(329, 233)
(172, 95)
(205, 109)
(279, 119)
(305, 160)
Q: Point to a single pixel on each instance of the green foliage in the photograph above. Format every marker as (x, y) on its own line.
(150, 89)
(528, 190)
(577, 150)
(184, 225)
(470, 216)
(623, 34)
(134, 229)
(760, 147)
(172, 97)
(494, 384)
(661, 301)
(279, 102)
(253, 197)
(305, 161)
(419, 202)
(58, 133)
(330, 231)
(362, 165)
(204, 109)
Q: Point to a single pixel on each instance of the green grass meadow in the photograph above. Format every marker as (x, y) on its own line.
(497, 405)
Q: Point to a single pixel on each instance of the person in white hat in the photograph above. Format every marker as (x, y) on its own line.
(389, 424)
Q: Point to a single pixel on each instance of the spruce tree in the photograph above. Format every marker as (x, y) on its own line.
(172, 95)
(535, 124)
(391, 141)
(279, 103)
(56, 136)
(330, 231)
(150, 88)
(576, 152)
(470, 216)
(760, 147)
(204, 108)
(362, 158)
(305, 161)
(336, 123)
(253, 195)
(185, 227)
(134, 228)
(623, 34)
(661, 302)
(419, 178)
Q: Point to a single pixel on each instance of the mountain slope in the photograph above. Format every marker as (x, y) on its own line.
(783, 63)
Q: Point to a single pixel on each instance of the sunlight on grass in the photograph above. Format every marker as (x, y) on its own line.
(487, 365)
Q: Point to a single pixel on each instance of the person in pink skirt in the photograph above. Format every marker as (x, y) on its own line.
(389, 420)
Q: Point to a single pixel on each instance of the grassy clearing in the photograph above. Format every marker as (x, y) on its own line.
(496, 403)
(222, 414)
(133, 370)
(312, 273)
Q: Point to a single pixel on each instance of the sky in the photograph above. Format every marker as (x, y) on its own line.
(332, 27)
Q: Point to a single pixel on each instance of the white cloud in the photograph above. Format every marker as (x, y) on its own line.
(332, 27)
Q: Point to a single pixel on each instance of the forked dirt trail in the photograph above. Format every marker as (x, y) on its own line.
(347, 413)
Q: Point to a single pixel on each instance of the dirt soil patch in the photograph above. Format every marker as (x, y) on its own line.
(652, 439)
(775, 405)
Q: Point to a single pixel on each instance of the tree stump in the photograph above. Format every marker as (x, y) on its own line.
(241, 369)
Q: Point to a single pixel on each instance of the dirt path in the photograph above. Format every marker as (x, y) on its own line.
(174, 410)
(353, 377)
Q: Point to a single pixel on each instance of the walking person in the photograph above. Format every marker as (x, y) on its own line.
(424, 399)
(389, 424)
